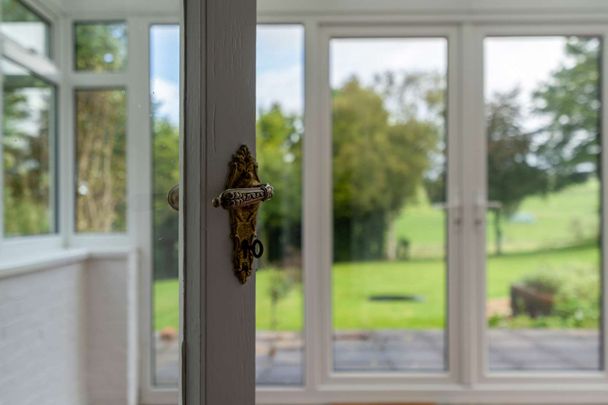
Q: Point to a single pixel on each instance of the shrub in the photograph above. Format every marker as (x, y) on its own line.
(544, 281)
(577, 302)
(576, 294)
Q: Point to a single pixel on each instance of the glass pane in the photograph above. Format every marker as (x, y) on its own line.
(28, 128)
(101, 160)
(101, 47)
(164, 84)
(389, 193)
(280, 112)
(279, 344)
(25, 27)
(544, 187)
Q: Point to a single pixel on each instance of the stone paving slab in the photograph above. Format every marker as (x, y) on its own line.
(279, 356)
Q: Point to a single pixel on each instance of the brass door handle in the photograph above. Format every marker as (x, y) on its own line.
(231, 198)
(173, 197)
(243, 195)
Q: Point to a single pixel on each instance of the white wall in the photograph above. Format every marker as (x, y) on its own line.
(41, 337)
(111, 327)
(68, 330)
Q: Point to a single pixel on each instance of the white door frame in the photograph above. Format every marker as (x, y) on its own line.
(322, 164)
(468, 379)
(477, 186)
(218, 313)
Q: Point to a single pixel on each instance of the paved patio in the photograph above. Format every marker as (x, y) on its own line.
(279, 355)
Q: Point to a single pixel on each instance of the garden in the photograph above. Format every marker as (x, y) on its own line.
(389, 272)
(567, 263)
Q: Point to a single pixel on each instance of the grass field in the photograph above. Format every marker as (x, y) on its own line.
(550, 236)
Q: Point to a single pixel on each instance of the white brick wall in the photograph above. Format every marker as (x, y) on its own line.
(41, 334)
(111, 328)
(68, 333)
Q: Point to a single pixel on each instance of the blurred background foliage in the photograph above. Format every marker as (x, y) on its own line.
(388, 156)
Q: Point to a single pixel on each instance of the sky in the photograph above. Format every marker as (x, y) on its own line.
(164, 70)
(280, 67)
(523, 62)
(368, 57)
(508, 62)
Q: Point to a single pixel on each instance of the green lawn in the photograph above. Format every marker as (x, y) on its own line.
(355, 283)
(550, 237)
(558, 220)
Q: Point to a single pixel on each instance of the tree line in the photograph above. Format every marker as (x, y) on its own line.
(388, 143)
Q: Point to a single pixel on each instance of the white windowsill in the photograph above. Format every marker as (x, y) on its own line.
(50, 260)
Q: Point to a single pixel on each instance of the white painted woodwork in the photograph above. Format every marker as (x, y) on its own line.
(218, 312)
(220, 52)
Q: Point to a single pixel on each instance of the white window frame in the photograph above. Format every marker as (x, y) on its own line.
(478, 179)
(79, 80)
(465, 23)
(47, 68)
(135, 79)
(142, 196)
(468, 379)
(322, 163)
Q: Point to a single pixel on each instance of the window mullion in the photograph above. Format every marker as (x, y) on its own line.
(1, 149)
(472, 288)
(139, 184)
(455, 208)
(313, 321)
(65, 134)
(604, 201)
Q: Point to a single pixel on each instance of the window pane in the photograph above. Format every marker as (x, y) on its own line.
(25, 27)
(280, 111)
(101, 161)
(28, 152)
(544, 187)
(164, 76)
(279, 343)
(101, 47)
(389, 193)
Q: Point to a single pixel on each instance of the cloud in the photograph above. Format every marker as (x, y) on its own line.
(521, 62)
(367, 57)
(280, 75)
(283, 86)
(279, 46)
(166, 95)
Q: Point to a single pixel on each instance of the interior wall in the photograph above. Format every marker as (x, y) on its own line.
(41, 337)
(111, 326)
(68, 332)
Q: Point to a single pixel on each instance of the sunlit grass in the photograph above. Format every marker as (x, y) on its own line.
(355, 283)
(555, 236)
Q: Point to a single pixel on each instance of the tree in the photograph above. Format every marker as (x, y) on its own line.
(420, 96)
(512, 172)
(563, 150)
(101, 160)
(15, 11)
(26, 164)
(165, 173)
(279, 155)
(100, 133)
(570, 104)
(100, 47)
(377, 167)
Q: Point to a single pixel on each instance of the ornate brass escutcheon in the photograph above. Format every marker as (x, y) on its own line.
(242, 198)
(243, 195)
